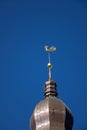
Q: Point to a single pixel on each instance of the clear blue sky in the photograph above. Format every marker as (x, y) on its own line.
(25, 27)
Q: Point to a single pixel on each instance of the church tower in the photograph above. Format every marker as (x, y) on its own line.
(51, 113)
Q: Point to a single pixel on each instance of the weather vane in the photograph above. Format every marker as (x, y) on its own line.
(49, 65)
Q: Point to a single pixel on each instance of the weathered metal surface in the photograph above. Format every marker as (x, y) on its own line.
(50, 88)
(50, 114)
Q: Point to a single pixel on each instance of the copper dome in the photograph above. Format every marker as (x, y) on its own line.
(51, 113)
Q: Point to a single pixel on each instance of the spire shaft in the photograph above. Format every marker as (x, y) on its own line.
(50, 74)
(49, 65)
(49, 57)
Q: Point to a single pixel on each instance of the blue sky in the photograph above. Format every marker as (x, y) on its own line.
(25, 28)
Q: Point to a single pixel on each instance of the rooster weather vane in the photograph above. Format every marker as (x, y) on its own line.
(49, 65)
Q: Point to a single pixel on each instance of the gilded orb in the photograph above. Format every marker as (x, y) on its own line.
(49, 65)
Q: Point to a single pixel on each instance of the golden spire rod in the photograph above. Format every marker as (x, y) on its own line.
(49, 65)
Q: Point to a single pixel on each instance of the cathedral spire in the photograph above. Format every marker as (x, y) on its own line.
(51, 113)
(50, 85)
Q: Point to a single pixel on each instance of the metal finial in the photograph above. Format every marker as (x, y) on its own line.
(49, 65)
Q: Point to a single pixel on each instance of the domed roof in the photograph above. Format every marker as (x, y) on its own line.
(51, 114)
